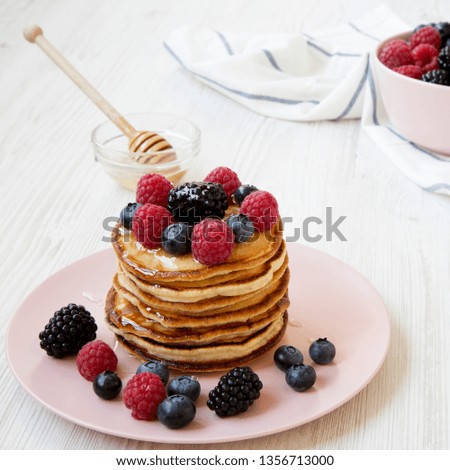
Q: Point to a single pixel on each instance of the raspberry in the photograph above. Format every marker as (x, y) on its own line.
(212, 242)
(425, 55)
(226, 177)
(412, 71)
(426, 35)
(94, 358)
(261, 207)
(149, 222)
(142, 395)
(396, 53)
(153, 189)
(432, 65)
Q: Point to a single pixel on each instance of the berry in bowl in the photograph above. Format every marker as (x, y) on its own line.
(413, 75)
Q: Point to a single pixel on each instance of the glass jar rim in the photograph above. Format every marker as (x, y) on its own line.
(192, 144)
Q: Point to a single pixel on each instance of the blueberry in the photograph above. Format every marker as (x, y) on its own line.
(242, 192)
(242, 227)
(156, 367)
(322, 351)
(107, 385)
(176, 239)
(420, 26)
(176, 411)
(287, 356)
(127, 214)
(184, 385)
(300, 377)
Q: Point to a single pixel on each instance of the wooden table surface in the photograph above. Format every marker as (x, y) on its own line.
(54, 196)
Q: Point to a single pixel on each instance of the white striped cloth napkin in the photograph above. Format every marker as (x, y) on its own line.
(321, 75)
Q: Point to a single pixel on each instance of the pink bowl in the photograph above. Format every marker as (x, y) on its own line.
(418, 110)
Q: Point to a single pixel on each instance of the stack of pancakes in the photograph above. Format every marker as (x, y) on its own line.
(194, 317)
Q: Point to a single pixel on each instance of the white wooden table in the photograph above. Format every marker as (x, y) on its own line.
(54, 196)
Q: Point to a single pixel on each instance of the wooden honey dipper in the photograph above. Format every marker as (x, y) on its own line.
(140, 142)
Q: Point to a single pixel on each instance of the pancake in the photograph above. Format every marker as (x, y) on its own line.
(243, 311)
(196, 317)
(233, 289)
(220, 303)
(156, 265)
(205, 358)
(127, 317)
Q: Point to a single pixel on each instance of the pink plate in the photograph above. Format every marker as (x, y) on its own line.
(328, 298)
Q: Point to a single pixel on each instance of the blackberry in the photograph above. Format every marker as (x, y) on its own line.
(193, 202)
(444, 30)
(68, 331)
(438, 77)
(235, 392)
(444, 58)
